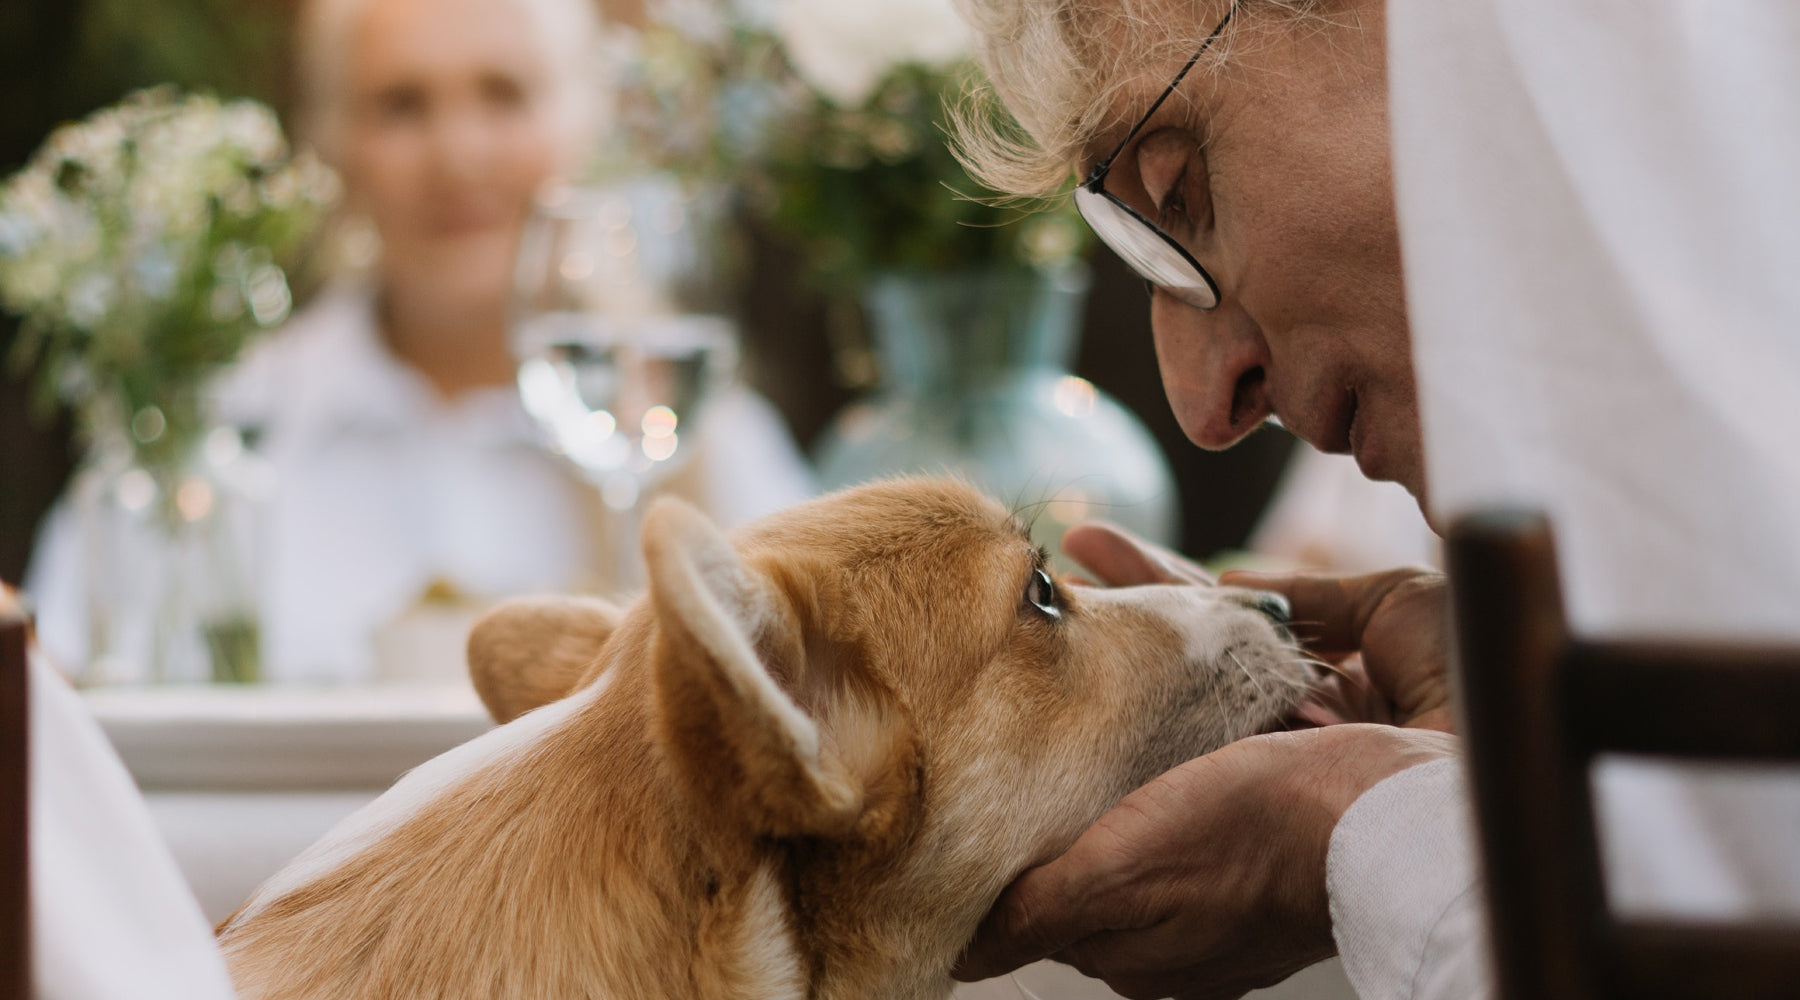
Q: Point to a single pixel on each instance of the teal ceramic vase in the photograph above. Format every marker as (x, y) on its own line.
(975, 383)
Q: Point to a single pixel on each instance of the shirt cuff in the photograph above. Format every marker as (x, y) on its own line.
(1406, 903)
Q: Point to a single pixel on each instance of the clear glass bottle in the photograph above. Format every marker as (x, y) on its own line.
(172, 561)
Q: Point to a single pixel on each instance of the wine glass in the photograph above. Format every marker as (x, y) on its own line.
(612, 365)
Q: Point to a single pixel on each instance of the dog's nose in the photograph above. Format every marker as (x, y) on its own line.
(1275, 606)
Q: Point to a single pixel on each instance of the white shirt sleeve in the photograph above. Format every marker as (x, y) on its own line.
(1406, 902)
(111, 917)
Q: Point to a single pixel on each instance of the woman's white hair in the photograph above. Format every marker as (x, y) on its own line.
(567, 33)
(1054, 68)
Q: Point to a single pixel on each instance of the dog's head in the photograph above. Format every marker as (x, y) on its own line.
(892, 679)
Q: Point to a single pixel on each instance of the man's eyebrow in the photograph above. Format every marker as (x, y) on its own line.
(1111, 140)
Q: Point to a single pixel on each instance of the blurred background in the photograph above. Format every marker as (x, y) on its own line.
(369, 313)
(65, 59)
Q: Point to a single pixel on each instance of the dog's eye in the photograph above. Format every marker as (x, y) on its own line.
(1040, 593)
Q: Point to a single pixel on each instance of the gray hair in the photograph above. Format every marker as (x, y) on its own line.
(567, 31)
(1054, 69)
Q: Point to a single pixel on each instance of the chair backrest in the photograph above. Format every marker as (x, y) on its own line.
(15, 893)
(1538, 706)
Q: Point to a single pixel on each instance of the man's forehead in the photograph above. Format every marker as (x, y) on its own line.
(1148, 62)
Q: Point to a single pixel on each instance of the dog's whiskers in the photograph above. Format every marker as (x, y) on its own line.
(1260, 690)
(1335, 669)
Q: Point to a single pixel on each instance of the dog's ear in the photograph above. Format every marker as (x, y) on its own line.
(724, 632)
(531, 651)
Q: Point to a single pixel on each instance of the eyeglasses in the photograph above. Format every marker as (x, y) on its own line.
(1152, 253)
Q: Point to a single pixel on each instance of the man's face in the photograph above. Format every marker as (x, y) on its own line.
(1274, 172)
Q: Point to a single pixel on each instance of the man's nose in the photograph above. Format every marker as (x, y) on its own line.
(1215, 369)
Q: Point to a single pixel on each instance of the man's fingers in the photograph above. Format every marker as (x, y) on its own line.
(1035, 917)
(1118, 558)
(1329, 613)
(1397, 620)
(1112, 556)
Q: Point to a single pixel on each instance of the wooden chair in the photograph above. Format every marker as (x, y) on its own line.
(1538, 706)
(15, 896)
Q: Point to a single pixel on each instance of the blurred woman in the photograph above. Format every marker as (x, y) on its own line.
(406, 466)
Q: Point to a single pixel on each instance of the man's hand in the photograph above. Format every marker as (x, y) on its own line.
(1390, 631)
(1117, 558)
(1209, 881)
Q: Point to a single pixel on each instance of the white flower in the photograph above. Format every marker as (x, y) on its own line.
(845, 48)
(107, 234)
(156, 271)
(253, 129)
(267, 289)
(90, 296)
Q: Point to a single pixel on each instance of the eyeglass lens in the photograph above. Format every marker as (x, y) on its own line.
(1147, 249)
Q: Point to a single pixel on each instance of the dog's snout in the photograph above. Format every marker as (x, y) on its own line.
(1274, 605)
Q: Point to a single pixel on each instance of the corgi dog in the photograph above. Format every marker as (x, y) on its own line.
(804, 765)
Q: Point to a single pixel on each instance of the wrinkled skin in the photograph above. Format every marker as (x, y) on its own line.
(1273, 171)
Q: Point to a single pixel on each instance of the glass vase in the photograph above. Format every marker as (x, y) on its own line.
(975, 383)
(172, 561)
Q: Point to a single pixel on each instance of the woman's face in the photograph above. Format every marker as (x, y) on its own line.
(446, 139)
(1274, 172)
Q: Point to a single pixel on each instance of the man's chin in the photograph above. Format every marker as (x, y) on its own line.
(1388, 465)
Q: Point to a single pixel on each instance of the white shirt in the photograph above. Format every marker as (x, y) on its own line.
(383, 488)
(111, 917)
(1597, 213)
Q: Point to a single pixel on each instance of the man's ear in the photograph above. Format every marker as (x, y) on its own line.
(531, 651)
(724, 632)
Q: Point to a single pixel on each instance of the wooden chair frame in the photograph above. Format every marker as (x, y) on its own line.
(15, 831)
(1539, 705)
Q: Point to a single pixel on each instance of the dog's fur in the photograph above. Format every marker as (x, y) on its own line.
(803, 766)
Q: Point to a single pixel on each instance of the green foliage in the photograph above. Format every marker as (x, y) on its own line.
(143, 246)
(60, 59)
(876, 188)
(858, 188)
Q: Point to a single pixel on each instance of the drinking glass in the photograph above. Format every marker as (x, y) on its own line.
(613, 364)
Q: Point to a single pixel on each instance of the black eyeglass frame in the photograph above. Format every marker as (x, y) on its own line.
(1097, 177)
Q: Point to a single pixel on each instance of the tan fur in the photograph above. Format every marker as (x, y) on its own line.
(804, 766)
(532, 651)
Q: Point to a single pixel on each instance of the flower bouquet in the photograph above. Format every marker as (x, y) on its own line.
(142, 248)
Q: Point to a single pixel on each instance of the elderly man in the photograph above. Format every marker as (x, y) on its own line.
(1498, 251)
